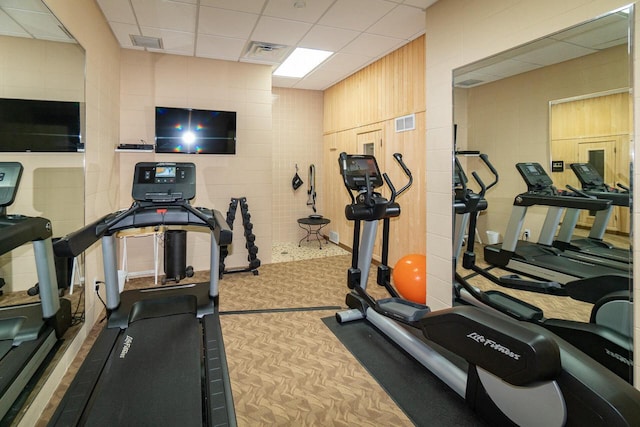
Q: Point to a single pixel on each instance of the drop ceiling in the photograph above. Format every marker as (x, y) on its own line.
(591, 37)
(31, 19)
(265, 31)
(358, 31)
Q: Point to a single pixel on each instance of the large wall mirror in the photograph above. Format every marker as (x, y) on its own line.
(40, 60)
(557, 101)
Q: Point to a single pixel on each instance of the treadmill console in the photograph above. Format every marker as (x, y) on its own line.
(10, 173)
(355, 168)
(535, 176)
(164, 182)
(589, 177)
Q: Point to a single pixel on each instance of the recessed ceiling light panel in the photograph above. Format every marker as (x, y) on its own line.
(301, 62)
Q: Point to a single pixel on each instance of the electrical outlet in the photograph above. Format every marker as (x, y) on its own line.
(527, 234)
(96, 282)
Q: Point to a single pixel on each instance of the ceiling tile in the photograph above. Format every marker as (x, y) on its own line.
(344, 63)
(423, 4)
(402, 22)
(229, 23)
(251, 6)
(29, 5)
(123, 33)
(328, 38)
(118, 11)
(285, 9)
(219, 47)
(280, 31)
(552, 53)
(177, 42)
(8, 27)
(165, 14)
(319, 82)
(356, 14)
(41, 25)
(605, 33)
(372, 45)
(225, 27)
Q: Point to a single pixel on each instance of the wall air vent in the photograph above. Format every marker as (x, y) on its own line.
(406, 123)
(144, 41)
(267, 52)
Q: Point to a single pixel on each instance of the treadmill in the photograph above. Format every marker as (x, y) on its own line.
(541, 260)
(160, 358)
(28, 332)
(594, 245)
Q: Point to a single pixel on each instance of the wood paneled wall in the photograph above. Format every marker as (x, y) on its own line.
(594, 123)
(368, 101)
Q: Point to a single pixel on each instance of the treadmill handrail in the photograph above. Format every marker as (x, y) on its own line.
(532, 199)
(617, 199)
(144, 215)
(76, 242)
(16, 231)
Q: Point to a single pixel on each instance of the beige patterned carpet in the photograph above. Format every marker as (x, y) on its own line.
(286, 367)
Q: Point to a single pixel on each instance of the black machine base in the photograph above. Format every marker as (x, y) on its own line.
(175, 256)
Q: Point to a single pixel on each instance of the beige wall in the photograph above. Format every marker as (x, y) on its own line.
(102, 96)
(297, 140)
(53, 71)
(509, 121)
(152, 79)
(460, 32)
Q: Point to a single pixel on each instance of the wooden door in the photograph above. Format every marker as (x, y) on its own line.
(602, 155)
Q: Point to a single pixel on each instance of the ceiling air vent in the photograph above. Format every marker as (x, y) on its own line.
(406, 123)
(144, 41)
(267, 52)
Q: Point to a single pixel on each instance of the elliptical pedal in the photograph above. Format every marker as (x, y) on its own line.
(404, 311)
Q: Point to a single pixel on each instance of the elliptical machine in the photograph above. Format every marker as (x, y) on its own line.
(516, 374)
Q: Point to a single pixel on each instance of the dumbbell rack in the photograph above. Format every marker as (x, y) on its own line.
(252, 249)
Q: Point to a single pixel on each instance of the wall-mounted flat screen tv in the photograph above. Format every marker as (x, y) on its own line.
(39, 126)
(191, 131)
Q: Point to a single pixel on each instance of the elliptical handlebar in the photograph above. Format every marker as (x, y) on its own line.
(407, 172)
(485, 159)
(394, 193)
(483, 188)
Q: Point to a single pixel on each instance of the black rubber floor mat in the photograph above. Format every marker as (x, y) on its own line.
(425, 399)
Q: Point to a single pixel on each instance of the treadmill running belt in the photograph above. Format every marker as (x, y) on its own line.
(153, 376)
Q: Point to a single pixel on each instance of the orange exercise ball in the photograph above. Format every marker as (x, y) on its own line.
(410, 277)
